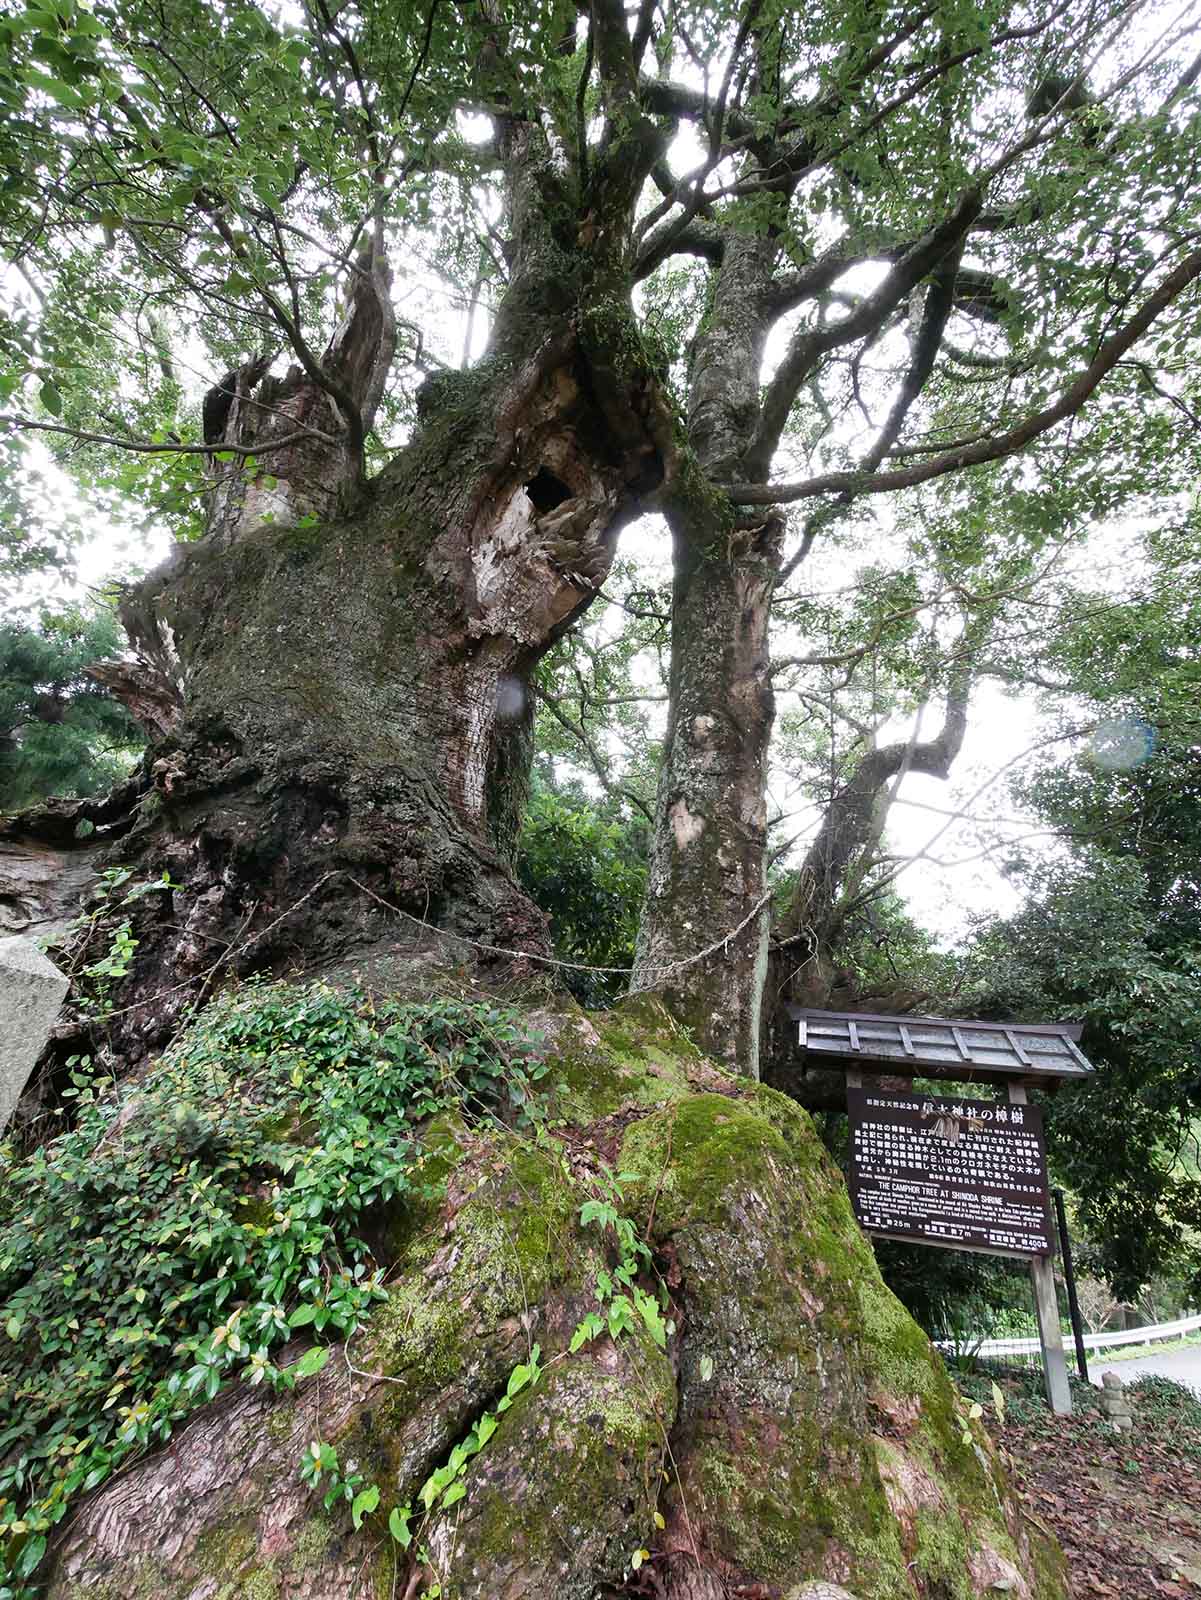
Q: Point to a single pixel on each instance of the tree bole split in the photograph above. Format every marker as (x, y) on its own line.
(350, 692)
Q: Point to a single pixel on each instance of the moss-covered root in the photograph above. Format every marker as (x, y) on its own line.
(797, 1439)
(223, 1515)
(566, 1492)
(818, 1437)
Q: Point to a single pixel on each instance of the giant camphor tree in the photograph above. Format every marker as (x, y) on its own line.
(731, 260)
(358, 705)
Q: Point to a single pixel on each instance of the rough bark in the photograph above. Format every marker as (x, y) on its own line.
(708, 866)
(354, 694)
(796, 1432)
(337, 676)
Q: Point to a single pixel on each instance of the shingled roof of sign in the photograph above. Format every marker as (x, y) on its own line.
(945, 1047)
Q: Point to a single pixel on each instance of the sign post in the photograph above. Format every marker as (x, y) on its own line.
(960, 1174)
(1046, 1309)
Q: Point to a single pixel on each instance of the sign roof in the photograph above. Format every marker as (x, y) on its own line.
(945, 1047)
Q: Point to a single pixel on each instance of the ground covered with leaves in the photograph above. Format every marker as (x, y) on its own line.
(1126, 1507)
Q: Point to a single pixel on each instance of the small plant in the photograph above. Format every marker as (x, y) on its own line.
(114, 894)
(625, 1305)
(322, 1469)
(625, 1302)
(1163, 1400)
(968, 1412)
(444, 1487)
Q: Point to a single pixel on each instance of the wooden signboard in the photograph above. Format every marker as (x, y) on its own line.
(964, 1174)
(959, 1174)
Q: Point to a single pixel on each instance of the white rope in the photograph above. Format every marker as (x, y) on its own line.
(658, 974)
(676, 964)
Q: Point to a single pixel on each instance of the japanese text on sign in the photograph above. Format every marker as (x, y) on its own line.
(950, 1172)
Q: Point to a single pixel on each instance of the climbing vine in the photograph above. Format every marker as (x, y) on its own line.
(110, 902)
(621, 1302)
(185, 1228)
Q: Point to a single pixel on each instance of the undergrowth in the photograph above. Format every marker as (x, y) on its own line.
(184, 1229)
(1169, 1405)
(1163, 1409)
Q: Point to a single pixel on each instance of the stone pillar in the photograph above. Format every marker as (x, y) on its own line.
(1116, 1403)
(31, 992)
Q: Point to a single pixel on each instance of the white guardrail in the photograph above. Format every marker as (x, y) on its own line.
(1092, 1341)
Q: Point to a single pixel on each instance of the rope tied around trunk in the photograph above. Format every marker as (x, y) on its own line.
(661, 973)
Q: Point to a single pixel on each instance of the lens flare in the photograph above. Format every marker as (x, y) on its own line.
(1119, 744)
(510, 698)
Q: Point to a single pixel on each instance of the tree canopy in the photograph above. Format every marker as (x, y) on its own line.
(976, 216)
(61, 733)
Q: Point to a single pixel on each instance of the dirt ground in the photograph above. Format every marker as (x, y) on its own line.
(1126, 1507)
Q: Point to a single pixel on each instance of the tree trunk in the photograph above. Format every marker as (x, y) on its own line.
(708, 866)
(351, 681)
(794, 1430)
(337, 675)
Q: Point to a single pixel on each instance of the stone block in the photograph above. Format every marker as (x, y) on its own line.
(1115, 1403)
(31, 992)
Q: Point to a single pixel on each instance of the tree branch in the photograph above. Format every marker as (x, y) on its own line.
(142, 447)
(808, 346)
(997, 447)
(595, 760)
(855, 817)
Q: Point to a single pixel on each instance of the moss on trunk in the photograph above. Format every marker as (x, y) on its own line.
(789, 1424)
(353, 691)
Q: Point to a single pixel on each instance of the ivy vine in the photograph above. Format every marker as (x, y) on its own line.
(184, 1228)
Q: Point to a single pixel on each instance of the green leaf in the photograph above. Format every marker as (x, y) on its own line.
(31, 1554)
(485, 1428)
(55, 88)
(312, 1361)
(366, 1500)
(398, 1526)
(585, 1332)
(597, 1211)
(998, 1400)
(648, 1310)
(51, 399)
(454, 1494)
